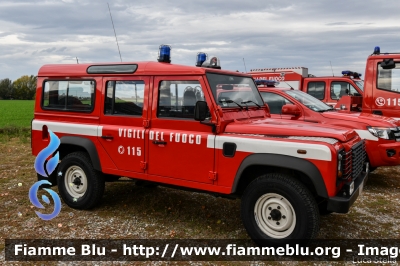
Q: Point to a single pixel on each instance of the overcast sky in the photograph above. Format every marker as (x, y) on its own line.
(273, 33)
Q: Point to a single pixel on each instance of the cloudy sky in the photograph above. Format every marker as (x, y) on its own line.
(272, 33)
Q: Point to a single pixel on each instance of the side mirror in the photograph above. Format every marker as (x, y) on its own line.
(388, 64)
(200, 111)
(291, 109)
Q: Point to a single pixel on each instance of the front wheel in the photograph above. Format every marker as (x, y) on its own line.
(79, 184)
(277, 209)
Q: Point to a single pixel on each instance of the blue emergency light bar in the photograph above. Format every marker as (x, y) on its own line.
(164, 53)
(351, 73)
(377, 50)
(268, 83)
(201, 57)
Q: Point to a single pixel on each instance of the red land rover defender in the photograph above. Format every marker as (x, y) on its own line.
(187, 126)
(381, 134)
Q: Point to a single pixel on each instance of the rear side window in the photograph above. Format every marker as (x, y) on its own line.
(124, 97)
(68, 95)
(316, 89)
(389, 79)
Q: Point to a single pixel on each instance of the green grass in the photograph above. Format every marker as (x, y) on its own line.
(16, 113)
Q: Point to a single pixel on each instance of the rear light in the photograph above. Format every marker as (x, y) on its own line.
(45, 133)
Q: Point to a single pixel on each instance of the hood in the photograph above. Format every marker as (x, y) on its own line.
(279, 127)
(369, 119)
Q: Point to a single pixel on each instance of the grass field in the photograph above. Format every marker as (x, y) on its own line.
(16, 113)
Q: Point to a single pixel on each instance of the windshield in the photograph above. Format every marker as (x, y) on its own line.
(360, 84)
(309, 101)
(228, 90)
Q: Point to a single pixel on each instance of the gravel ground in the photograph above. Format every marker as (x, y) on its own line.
(128, 211)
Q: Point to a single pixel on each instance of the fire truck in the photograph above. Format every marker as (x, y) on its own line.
(381, 134)
(194, 127)
(329, 89)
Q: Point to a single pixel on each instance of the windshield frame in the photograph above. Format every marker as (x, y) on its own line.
(360, 84)
(248, 92)
(313, 103)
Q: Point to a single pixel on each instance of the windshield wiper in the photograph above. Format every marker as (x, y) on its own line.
(250, 101)
(326, 110)
(230, 101)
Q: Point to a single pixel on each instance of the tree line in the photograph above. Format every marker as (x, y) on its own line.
(23, 88)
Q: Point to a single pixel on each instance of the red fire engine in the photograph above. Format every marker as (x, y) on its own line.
(195, 127)
(381, 134)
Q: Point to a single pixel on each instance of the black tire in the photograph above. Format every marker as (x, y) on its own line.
(277, 226)
(76, 170)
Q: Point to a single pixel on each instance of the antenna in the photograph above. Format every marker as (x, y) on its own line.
(77, 60)
(114, 32)
(244, 63)
(331, 69)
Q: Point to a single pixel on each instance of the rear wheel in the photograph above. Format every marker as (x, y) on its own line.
(277, 209)
(79, 184)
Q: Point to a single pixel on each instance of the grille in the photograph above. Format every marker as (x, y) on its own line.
(395, 132)
(359, 156)
(353, 161)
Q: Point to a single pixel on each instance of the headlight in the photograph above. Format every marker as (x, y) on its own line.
(380, 132)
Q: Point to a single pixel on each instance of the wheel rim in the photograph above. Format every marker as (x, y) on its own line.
(75, 181)
(275, 215)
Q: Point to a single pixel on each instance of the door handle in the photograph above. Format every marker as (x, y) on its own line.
(159, 142)
(107, 137)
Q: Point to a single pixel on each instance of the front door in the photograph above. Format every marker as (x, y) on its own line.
(179, 147)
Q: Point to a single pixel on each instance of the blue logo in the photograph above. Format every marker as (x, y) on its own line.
(35, 201)
(45, 167)
(40, 161)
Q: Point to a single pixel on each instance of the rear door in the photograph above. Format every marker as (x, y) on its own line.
(179, 147)
(123, 120)
(317, 88)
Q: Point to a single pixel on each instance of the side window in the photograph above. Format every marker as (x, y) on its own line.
(389, 79)
(68, 95)
(124, 97)
(275, 102)
(316, 89)
(339, 88)
(178, 98)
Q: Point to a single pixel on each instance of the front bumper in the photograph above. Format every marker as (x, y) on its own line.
(341, 204)
(390, 148)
